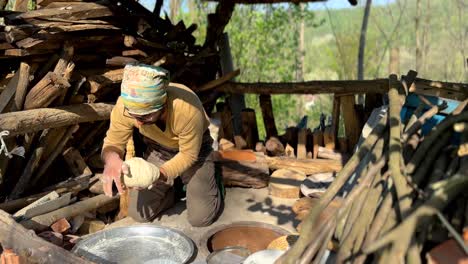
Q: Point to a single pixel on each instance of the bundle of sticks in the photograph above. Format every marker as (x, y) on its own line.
(412, 183)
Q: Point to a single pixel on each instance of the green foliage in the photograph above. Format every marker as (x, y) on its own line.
(264, 41)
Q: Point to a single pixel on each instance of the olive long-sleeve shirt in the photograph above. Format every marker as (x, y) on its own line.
(186, 121)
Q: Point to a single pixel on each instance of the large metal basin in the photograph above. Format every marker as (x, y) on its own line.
(149, 244)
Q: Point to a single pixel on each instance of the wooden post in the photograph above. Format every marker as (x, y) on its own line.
(336, 117)
(268, 117)
(237, 101)
(301, 144)
(352, 127)
(249, 127)
(318, 142)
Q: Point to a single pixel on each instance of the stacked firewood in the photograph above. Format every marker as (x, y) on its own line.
(60, 64)
(399, 195)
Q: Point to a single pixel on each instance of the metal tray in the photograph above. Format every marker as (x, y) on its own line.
(148, 244)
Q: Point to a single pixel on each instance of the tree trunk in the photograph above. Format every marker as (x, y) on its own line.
(417, 30)
(301, 49)
(268, 117)
(174, 6)
(362, 40)
(39, 119)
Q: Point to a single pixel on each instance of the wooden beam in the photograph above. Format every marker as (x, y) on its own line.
(308, 166)
(29, 245)
(351, 123)
(212, 84)
(43, 118)
(311, 87)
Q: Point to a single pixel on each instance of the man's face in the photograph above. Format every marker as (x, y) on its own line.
(147, 119)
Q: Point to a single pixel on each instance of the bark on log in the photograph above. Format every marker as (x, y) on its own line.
(311, 87)
(243, 168)
(309, 167)
(36, 250)
(40, 119)
(42, 222)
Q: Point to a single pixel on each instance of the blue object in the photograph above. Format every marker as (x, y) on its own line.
(412, 102)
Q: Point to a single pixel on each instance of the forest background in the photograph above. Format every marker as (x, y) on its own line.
(320, 41)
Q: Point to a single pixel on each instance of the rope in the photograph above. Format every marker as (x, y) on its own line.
(19, 151)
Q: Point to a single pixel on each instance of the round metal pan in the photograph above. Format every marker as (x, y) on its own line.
(148, 244)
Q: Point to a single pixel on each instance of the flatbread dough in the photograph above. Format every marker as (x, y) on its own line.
(141, 174)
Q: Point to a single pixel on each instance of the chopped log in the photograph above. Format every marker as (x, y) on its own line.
(274, 147)
(285, 183)
(61, 226)
(318, 142)
(302, 144)
(309, 167)
(46, 91)
(34, 249)
(225, 144)
(76, 162)
(22, 88)
(40, 119)
(243, 168)
(311, 87)
(65, 58)
(352, 126)
(268, 117)
(42, 222)
(249, 127)
(97, 82)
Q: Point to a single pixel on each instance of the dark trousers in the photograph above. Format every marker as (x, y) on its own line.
(203, 198)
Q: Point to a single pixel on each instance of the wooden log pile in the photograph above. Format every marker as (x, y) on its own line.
(401, 193)
(60, 66)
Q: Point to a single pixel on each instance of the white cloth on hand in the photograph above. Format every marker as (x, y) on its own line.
(140, 174)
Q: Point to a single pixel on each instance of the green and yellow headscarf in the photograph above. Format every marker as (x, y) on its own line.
(143, 89)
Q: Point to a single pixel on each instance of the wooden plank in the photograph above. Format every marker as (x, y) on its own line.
(212, 84)
(48, 206)
(311, 87)
(7, 94)
(36, 250)
(22, 87)
(308, 166)
(50, 196)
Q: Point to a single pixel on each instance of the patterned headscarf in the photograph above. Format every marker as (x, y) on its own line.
(143, 89)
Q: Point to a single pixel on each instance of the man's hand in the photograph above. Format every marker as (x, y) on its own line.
(112, 173)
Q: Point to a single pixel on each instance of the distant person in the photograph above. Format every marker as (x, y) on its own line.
(174, 127)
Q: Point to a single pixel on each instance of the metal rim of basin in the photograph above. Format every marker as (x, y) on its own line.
(92, 237)
(203, 243)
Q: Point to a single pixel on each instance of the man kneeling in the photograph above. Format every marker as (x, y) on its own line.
(174, 127)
